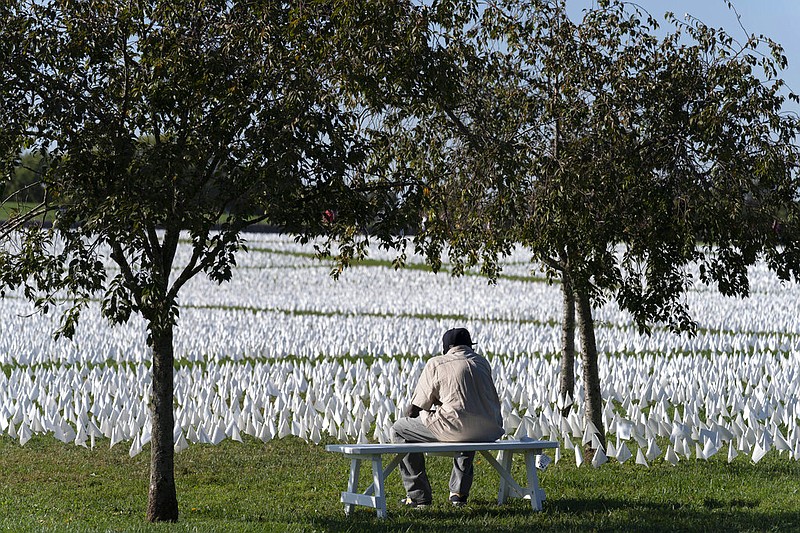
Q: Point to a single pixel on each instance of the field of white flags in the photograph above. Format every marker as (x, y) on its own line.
(286, 350)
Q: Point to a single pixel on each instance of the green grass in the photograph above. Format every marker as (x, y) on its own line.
(289, 485)
(13, 208)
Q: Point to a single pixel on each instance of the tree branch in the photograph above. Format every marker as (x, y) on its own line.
(189, 271)
(15, 223)
(118, 255)
(153, 246)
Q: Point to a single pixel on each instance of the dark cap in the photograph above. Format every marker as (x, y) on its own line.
(456, 337)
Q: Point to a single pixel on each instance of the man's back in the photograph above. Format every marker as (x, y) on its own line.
(460, 384)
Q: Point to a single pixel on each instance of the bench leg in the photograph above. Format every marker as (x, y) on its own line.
(505, 475)
(386, 471)
(504, 458)
(352, 483)
(377, 482)
(537, 495)
(375, 495)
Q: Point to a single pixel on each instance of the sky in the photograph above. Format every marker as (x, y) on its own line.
(777, 19)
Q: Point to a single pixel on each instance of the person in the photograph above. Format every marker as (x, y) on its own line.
(455, 400)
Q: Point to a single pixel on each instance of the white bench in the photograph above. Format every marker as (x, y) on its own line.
(375, 497)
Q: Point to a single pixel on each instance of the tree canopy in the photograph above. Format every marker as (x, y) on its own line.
(164, 120)
(631, 165)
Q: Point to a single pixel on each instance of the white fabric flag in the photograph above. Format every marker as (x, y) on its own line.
(623, 453)
(599, 457)
(671, 456)
(578, 456)
(640, 460)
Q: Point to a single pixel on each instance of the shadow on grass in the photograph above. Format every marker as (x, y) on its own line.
(571, 515)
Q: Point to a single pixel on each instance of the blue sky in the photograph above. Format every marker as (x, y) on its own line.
(777, 19)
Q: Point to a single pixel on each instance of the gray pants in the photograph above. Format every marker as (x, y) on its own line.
(412, 467)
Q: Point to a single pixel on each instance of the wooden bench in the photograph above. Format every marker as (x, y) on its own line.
(375, 497)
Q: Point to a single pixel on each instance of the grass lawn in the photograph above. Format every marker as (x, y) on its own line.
(13, 208)
(289, 485)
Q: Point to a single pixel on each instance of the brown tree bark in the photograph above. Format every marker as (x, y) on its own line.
(591, 375)
(567, 377)
(162, 500)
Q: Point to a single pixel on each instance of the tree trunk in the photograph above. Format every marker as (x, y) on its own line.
(567, 382)
(591, 374)
(162, 504)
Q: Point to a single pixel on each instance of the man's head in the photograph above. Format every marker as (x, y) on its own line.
(456, 337)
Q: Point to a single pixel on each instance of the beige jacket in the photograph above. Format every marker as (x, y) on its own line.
(458, 397)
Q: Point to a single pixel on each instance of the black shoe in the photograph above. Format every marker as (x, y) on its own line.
(458, 500)
(411, 504)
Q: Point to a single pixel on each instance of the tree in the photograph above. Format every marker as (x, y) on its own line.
(620, 159)
(161, 120)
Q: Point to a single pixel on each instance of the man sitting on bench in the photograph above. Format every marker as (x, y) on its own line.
(455, 401)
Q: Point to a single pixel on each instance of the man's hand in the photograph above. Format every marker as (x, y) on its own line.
(413, 411)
